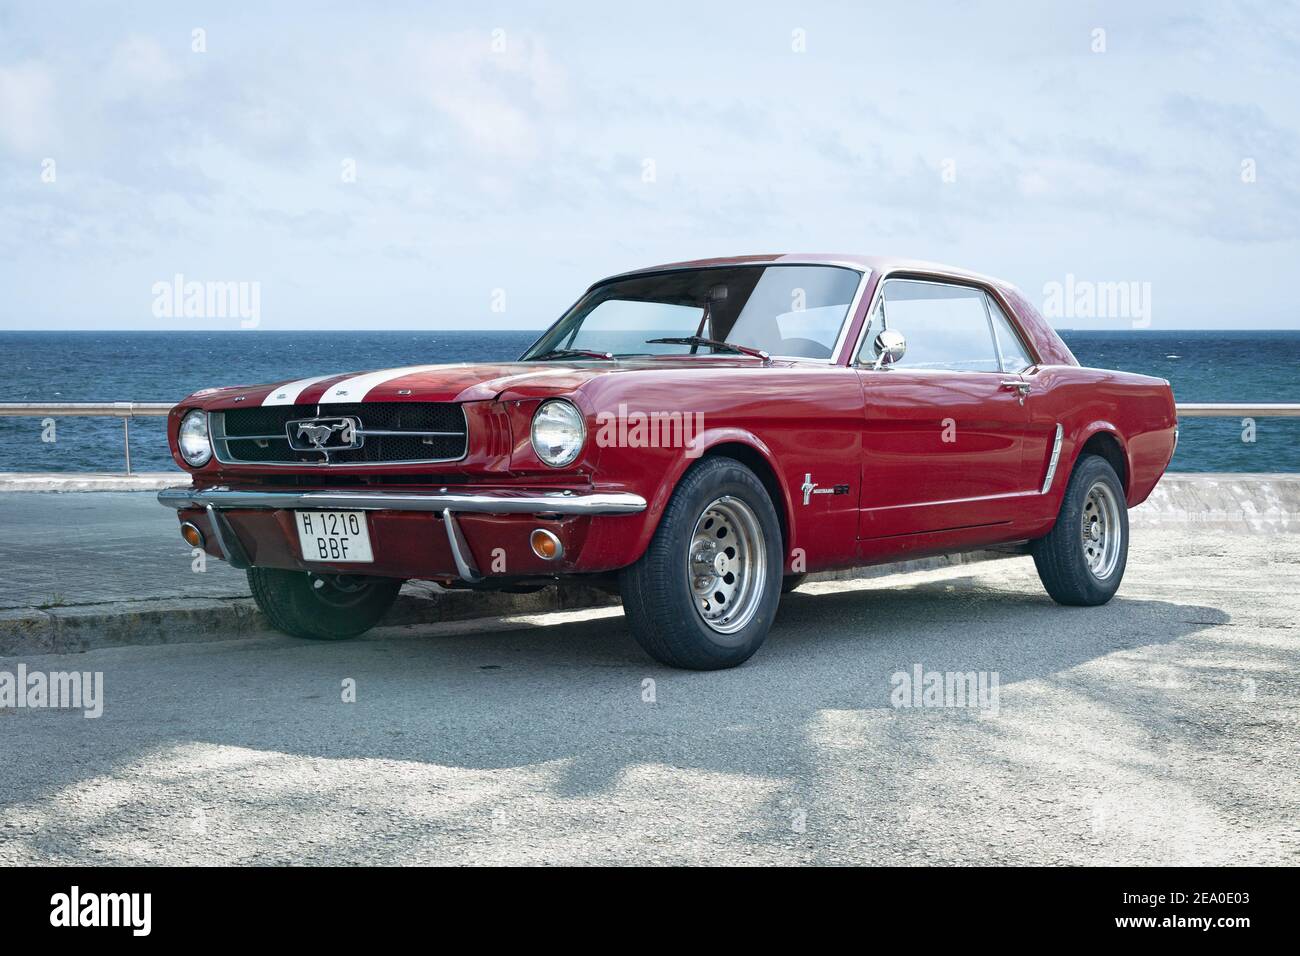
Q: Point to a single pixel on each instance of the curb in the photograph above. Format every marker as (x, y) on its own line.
(35, 481)
(87, 627)
(1240, 503)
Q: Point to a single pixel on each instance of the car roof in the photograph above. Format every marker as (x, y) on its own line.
(878, 264)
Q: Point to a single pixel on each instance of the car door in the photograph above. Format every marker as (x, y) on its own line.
(944, 426)
(1041, 427)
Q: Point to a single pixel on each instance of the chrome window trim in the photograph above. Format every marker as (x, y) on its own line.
(848, 319)
(993, 334)
(926, 278)
(992, 303)
(221, 451)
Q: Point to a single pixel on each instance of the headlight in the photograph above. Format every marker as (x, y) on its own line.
(558, 432)
(193, 438)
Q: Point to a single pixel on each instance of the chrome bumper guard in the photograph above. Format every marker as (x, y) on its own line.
(505, 501)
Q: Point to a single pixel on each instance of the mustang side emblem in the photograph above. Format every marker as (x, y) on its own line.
(318, 434)
(809, 488)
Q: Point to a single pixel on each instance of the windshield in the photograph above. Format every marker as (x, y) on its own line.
(784, 310)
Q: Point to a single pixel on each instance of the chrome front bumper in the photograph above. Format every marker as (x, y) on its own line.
(502, 501)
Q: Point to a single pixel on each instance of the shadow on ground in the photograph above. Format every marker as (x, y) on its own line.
(558, 715)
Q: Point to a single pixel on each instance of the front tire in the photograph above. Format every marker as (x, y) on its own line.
(1081, 560)
(326, 607)
(704, 594)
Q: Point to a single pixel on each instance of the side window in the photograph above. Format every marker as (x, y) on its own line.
(946, 326)
(1014, 356)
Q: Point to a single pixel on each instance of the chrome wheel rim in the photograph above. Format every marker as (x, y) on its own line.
(1101, 532)
(726, 565)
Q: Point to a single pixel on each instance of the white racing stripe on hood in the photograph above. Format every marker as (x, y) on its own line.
(288, 394)
(356, 388)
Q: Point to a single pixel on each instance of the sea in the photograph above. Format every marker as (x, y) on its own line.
(1204, 366)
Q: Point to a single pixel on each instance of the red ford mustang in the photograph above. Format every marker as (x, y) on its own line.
(698, 435)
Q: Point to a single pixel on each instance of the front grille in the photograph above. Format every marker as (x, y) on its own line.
(258, 435)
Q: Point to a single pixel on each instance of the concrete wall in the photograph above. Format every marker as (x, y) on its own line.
(1250, 503)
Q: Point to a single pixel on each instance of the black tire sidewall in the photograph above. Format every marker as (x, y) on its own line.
(291, 603)
(1071, 580)
(673, 631)
(792, 581)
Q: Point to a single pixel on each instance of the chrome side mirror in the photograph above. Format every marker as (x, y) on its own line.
(890, 347)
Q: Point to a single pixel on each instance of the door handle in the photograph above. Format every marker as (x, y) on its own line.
(1022, 387)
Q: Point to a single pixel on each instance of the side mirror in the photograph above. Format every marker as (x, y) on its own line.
(890, 347)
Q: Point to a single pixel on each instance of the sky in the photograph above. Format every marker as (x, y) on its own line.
(438, 165)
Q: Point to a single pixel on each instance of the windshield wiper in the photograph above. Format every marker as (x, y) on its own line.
(712, 343)
(570, 353)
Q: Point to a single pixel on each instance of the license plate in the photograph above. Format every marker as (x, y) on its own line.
(334, 536)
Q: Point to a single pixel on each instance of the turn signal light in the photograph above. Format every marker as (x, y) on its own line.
(546, 545)
(192, 535)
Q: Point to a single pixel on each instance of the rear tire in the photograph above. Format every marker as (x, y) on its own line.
(704, 594)
(1081, 560)
(326, 607)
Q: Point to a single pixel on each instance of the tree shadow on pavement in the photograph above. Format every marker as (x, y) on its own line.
(566, 722)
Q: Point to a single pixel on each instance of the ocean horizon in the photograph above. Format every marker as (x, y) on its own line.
(154, 366)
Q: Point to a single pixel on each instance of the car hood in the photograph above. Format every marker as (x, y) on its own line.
(464, 382)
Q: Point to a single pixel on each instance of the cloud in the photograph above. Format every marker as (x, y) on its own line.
(496, 89)
(27, 107)
(139, 70)
(518, 157)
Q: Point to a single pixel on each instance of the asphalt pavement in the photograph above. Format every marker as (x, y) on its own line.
(1160, 729)
(62, 549)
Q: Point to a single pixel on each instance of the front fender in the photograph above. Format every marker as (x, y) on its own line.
(705, 443)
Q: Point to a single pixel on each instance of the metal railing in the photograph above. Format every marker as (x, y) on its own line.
(123, 410)
(129, 410)
(1236, 410)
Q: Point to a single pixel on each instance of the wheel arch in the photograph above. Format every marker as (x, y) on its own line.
(741, 445)
(1105, 440)
(757, 462)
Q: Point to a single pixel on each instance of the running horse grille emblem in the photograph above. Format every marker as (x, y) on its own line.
(318, 435)
(325, 434)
